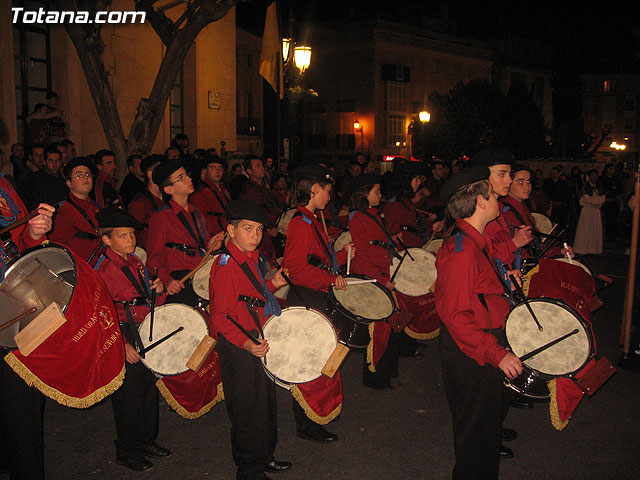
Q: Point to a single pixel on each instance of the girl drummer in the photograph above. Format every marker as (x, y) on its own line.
(374, 246)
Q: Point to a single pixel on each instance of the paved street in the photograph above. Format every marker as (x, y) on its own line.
(400, 434)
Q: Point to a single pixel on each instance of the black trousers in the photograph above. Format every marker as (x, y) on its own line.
(251, 406)
(477, 400)
(135, 411)
(319, 301)
(21, 430)
(387, 365)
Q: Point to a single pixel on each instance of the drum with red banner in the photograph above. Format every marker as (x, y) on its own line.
(82, 361)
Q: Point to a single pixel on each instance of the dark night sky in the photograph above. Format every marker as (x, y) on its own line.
(602, 28)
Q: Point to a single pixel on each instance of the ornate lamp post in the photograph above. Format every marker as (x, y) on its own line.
(357, 126)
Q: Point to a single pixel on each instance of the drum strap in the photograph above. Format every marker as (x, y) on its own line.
(137, 283)
(536, 240)
(222, 204)
(149, 196)
(134, 330)
(198, 237)
(389, 246)
(421, 226)
(328, 249)
(188, 249)
(85, 235)
(83, 213)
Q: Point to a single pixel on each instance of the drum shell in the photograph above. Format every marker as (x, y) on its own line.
(532, 382)
(52, 267)
(346, 321)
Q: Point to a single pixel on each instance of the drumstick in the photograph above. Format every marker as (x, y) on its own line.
(95, 252)
(525, 301)
(18, 318)
(433, 235)
(324, 224)
(243, 330)
(348, 259)
(358, 282)
(153, 305)
(566, 247)
(163, 339)
(395, 272)
(22, 221)
(199, 266)
(538, 350)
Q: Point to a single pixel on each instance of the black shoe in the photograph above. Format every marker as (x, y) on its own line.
(276, 466)
(509, 434)
(137, 464)
(505, 452)
(521, 403)
(318, 435)
(154, 450)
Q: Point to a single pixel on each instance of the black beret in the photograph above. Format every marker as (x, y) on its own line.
(165, 170)
(76, 162)
(113, 217)
(314, 172)
(213, 158)
(488, 158)
(246, 210)
(365, 180)
(411, 169)
(459, 180)
(518, 167)
(150, 161)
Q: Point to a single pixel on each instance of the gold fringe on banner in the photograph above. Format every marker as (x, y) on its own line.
(183, 412)
(553, 408)
(422, 336)
(33, 381)
(526, 280)
(295, 391)
(372, 367)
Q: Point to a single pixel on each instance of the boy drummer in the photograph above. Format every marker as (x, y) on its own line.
(135, 403)
(239, 291)
(471, 302)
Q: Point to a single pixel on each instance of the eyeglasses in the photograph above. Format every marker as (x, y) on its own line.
(81, 175)
(181, 178)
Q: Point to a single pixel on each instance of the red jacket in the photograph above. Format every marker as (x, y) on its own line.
(121, 289)
(402, 214)
(370, 260)
(226, 283)
(105, 190)
(142, 207)
(20, 235)
(302, 241)
(72, 229)
(165, 227)
(462, 276)
(499, 232)
(211, 199)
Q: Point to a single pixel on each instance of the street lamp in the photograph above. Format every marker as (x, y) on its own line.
(357, 126)
(286, 46)
(302, 57)
(424, 116)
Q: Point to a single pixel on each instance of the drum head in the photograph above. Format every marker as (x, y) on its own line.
(141, 253)
(300, 343)
(283, 221)
(416, 276)
(542, 222)
(40, 276)
(557, 319)
(366, 301)
(171, 356)
(434, 246)
(201, 279)
(342, 241)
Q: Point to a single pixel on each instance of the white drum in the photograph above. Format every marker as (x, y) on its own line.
(201, 278)
(562, 359)
(141, 253)
(300, 343)
(342, 241)
(283, 222)
(171, 356)
(434, 246)
(416, 276)
(543, 223)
